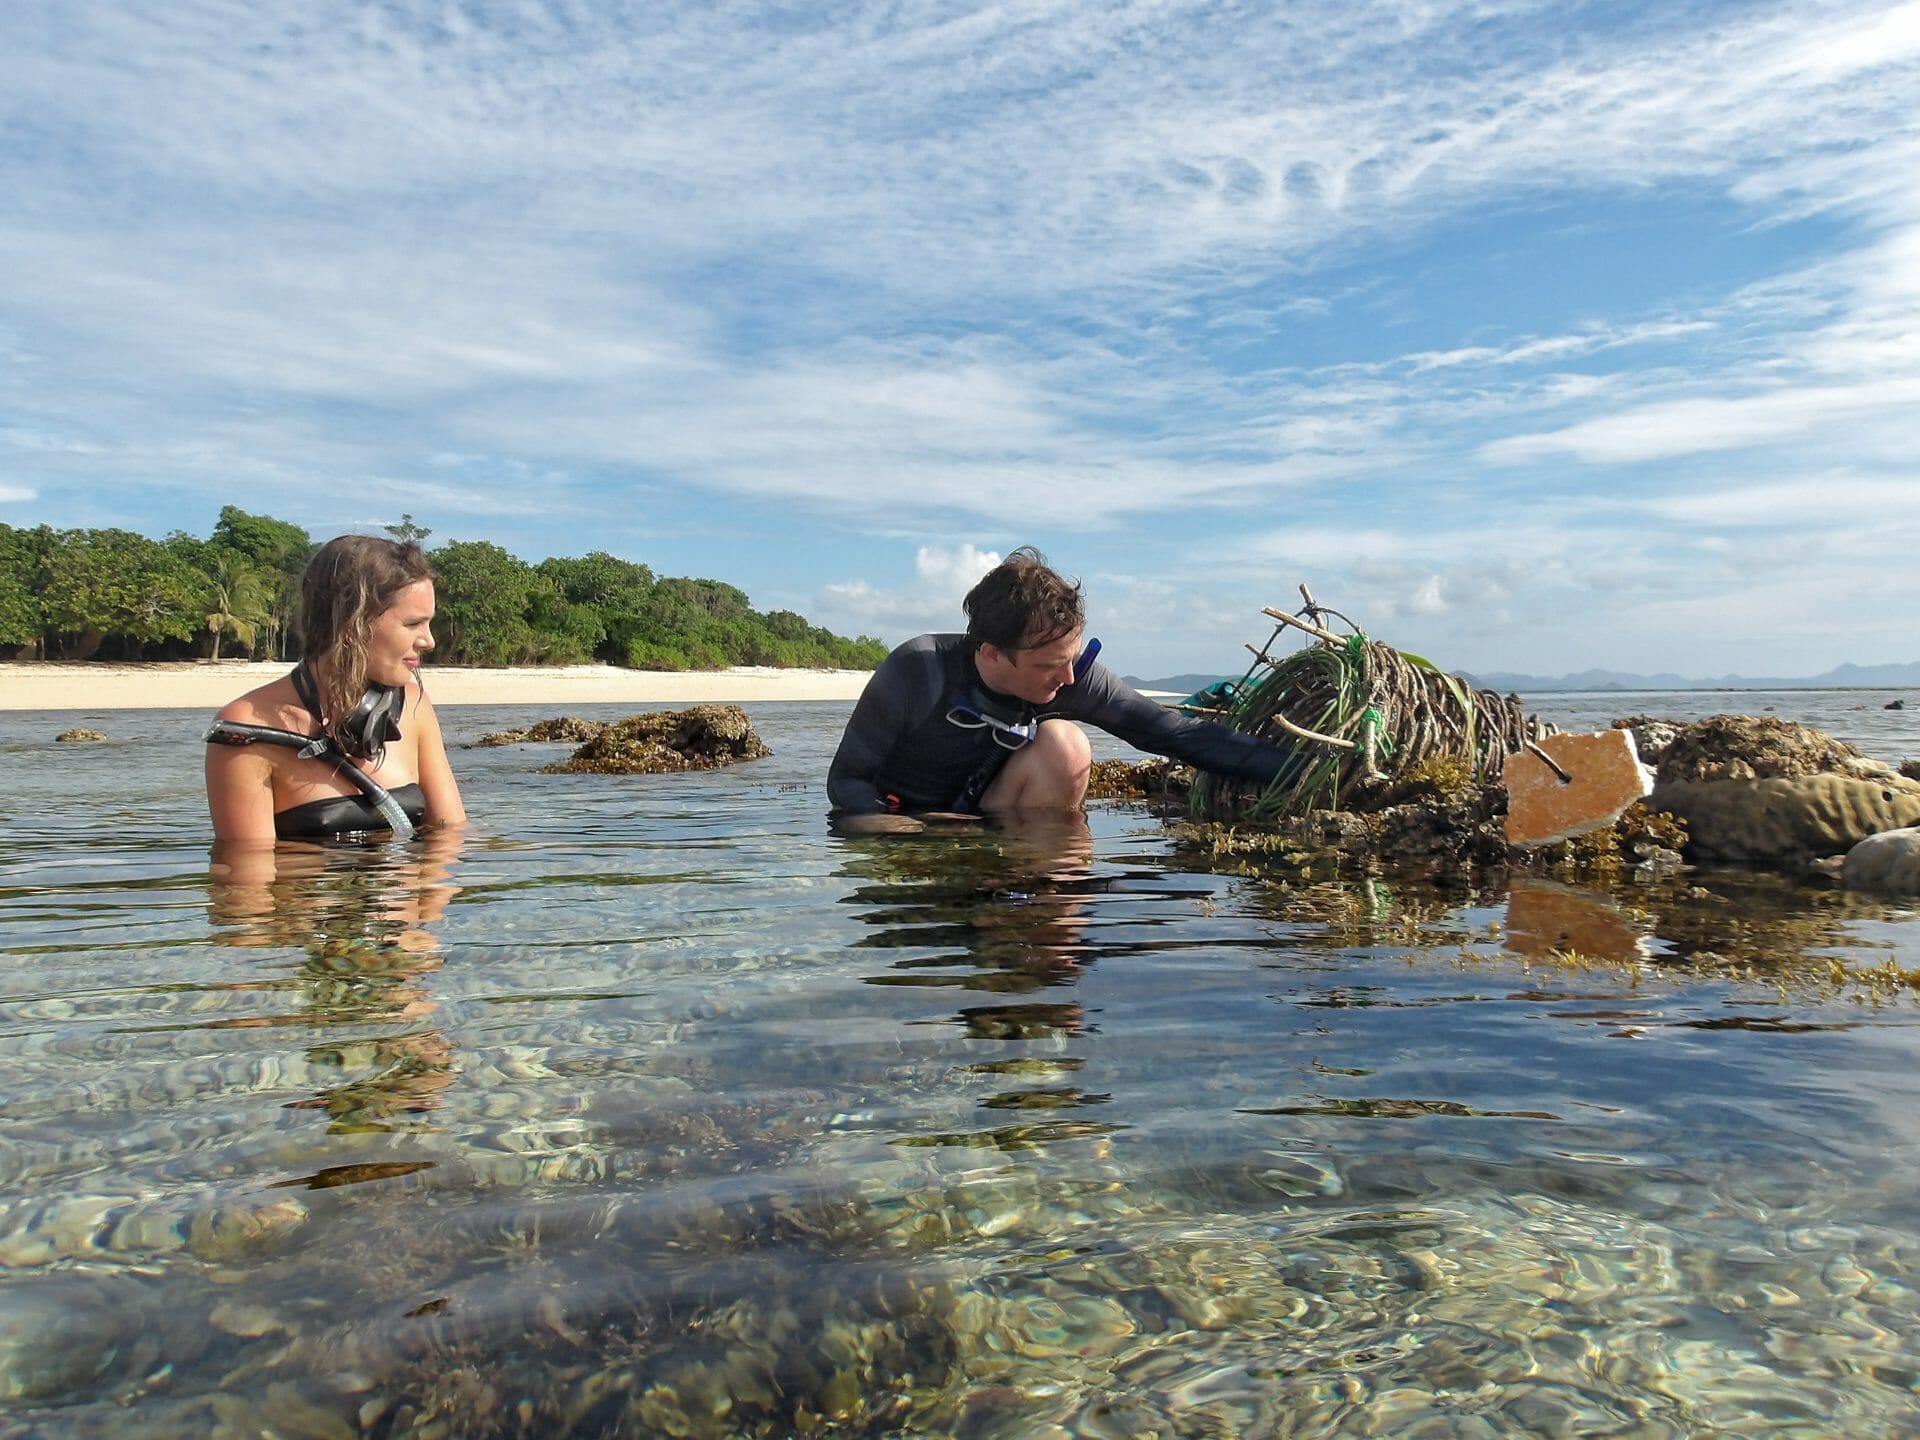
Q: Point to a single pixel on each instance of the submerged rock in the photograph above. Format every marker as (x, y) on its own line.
(702, 737)
(1888, 862)
(1161, 780)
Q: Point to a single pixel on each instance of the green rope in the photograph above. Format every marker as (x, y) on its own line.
(1370, 721)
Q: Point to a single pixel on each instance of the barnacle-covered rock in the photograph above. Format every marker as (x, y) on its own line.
(701, 737)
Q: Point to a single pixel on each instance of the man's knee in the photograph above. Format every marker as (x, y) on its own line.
(1049, 772)
(1068, 752)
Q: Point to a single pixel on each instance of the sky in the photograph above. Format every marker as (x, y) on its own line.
(1533, 337)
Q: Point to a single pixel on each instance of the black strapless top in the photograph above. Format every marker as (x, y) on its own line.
(345, 815)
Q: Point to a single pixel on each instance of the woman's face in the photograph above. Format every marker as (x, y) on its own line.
(401, 635)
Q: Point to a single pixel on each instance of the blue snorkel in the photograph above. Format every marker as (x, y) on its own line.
(1085, 662)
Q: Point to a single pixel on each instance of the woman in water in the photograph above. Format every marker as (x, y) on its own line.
(348, 742)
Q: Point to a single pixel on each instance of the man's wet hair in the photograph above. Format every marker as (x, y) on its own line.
(1021, 603)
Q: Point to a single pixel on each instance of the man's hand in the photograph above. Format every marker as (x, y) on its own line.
(900, 824)
(877, 825)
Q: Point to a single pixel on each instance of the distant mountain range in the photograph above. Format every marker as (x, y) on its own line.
(1841, 677)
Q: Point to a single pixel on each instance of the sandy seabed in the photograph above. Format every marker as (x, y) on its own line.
(207, 685)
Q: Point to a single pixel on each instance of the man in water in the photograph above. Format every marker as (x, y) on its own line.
(981, 723)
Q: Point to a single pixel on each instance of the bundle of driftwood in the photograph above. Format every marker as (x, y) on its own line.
(1369, 725)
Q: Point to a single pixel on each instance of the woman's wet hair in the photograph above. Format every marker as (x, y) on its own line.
(1021, 603)
(351, 582)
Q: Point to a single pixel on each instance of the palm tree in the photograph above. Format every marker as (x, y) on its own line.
(236, 598)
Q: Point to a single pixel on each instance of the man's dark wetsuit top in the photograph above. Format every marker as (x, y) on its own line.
(345, 815)
(901, 752)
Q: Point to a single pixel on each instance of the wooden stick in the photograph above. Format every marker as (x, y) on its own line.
(1294, 620)
(1305, 734)
(1551, 763)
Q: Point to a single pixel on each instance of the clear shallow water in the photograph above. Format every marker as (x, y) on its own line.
(652, 1108)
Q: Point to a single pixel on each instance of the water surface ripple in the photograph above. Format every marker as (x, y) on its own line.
(649, 1107)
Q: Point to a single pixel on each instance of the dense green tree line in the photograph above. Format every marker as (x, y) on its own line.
(112, 594)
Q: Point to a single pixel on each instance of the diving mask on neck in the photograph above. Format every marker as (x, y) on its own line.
(364, 733)
(375, 720)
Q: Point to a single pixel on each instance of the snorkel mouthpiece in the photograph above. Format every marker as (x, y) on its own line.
(365, 731)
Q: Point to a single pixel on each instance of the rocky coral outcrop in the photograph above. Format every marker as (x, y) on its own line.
(1758, 790)
(701, 737)
(567, 729)
(1750, 790)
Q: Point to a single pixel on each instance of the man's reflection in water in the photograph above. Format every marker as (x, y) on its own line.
(998, 908)
(361, 916)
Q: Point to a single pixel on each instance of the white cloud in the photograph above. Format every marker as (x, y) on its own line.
(1150, 277)
(952, 572)
(931, 602)
(1696, 425)
(1824, 503)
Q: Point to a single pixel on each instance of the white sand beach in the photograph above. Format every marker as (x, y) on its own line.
(207, 685)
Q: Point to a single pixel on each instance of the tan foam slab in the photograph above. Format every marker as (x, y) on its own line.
(1605, 777)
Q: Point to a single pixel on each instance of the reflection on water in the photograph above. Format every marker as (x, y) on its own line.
(652, 1108)
(363, 916)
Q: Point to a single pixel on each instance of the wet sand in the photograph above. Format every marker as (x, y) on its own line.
(206, 685)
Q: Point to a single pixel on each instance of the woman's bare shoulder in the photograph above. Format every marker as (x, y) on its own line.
(274, 703)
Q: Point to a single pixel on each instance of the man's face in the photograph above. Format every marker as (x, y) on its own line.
(1033, 673)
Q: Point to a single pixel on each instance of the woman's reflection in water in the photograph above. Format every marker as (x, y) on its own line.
(361, 915)
(999, 909)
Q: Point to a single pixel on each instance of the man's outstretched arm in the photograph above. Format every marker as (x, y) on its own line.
(1102, 698)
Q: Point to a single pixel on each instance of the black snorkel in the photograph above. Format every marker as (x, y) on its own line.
(374, 721)
(316, 747)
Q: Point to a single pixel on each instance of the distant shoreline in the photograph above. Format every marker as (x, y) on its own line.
(207, 685)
